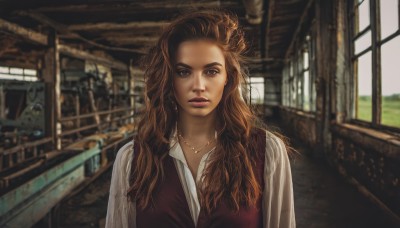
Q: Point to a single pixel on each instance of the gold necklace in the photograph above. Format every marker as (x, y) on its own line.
(194, 148)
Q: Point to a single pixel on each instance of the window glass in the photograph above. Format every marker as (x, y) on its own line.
(306, 91)
(362, 42)
(363, 16)
(390, 82)
(364, 82)
(257, 90)
(389, 13)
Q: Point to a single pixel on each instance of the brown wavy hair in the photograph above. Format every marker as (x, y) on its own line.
(231, 165)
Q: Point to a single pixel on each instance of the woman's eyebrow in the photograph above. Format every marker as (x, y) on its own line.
(205, 66)
(212, 64)
(183, 65)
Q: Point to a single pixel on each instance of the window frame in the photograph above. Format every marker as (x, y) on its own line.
(376, 44)
(294, 72)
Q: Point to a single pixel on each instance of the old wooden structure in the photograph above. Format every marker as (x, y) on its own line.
(79, 88)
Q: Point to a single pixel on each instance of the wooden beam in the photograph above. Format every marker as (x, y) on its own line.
(132, 7)
(271, 8)
(117, 26)
(299, 25)
(137, 40)
(87, 56)
(25, 33)
(64, 30)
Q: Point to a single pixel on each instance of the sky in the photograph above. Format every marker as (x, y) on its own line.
(390, 51)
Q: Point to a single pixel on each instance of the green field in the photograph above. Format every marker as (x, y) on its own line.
(390, 110)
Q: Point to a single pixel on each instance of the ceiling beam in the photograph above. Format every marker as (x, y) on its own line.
(299, 25)
(135, 40)
(133, 7)
(117, 26)
(25, 33)
(271, 8)
(76, 53)
(64, 30)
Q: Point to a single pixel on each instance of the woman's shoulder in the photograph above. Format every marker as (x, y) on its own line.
(273, 140)
(124, 155)
(275, 151)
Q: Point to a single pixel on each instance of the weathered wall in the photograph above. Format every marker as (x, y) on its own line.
(300, 125)
(369, 159)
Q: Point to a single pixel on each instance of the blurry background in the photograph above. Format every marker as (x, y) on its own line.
(324, 73)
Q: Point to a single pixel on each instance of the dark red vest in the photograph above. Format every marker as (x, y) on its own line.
(171, 208)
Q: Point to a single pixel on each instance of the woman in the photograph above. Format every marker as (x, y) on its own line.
(198, 159)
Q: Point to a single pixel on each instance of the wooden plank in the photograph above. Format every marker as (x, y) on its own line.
(64, 30)
(131, 7)
(136, 40)
(88, 56)
(118, 26)
(25, 33)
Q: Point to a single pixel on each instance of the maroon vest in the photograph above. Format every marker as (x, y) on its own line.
(171, 208)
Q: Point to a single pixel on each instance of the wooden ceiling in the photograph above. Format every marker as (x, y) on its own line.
(124, 30)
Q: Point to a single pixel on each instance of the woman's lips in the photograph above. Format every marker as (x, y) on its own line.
(199, 102)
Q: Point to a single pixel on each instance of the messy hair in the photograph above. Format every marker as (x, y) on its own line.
(231, 165)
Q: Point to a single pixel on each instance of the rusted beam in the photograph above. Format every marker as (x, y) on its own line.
(299, 25)
(88, 56)
(25, 33)
(118, 26)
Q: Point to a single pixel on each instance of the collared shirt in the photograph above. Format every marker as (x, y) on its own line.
(277, 199)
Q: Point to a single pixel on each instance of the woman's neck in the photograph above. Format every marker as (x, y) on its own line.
(197, 127)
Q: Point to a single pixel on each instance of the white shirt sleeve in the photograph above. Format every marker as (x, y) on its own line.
(120, 211)
(278, 206)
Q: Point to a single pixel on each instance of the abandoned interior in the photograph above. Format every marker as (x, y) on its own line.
(322, 72)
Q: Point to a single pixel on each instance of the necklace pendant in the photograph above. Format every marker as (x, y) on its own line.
(196, 151)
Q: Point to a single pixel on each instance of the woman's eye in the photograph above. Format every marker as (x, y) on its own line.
(212, 72)
(183, 73)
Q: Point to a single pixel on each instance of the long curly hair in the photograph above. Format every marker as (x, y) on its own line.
(229, 175)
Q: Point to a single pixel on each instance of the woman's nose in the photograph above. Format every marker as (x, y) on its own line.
(198, 82)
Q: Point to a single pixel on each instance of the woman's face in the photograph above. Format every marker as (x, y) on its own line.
(200, 77)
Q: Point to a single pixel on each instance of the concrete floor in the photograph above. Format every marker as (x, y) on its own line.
(322, 199)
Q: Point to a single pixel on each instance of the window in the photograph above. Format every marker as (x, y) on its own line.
(298, 76)
(375, 37)
(14, 73)
(257, 90)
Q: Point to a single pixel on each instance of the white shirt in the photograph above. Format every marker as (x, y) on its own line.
(277, 198)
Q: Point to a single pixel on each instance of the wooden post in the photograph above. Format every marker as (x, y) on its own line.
(51, 76)
(78, 112)
(93, 104)
(131, 86)
(376, 63)
(325, 72)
